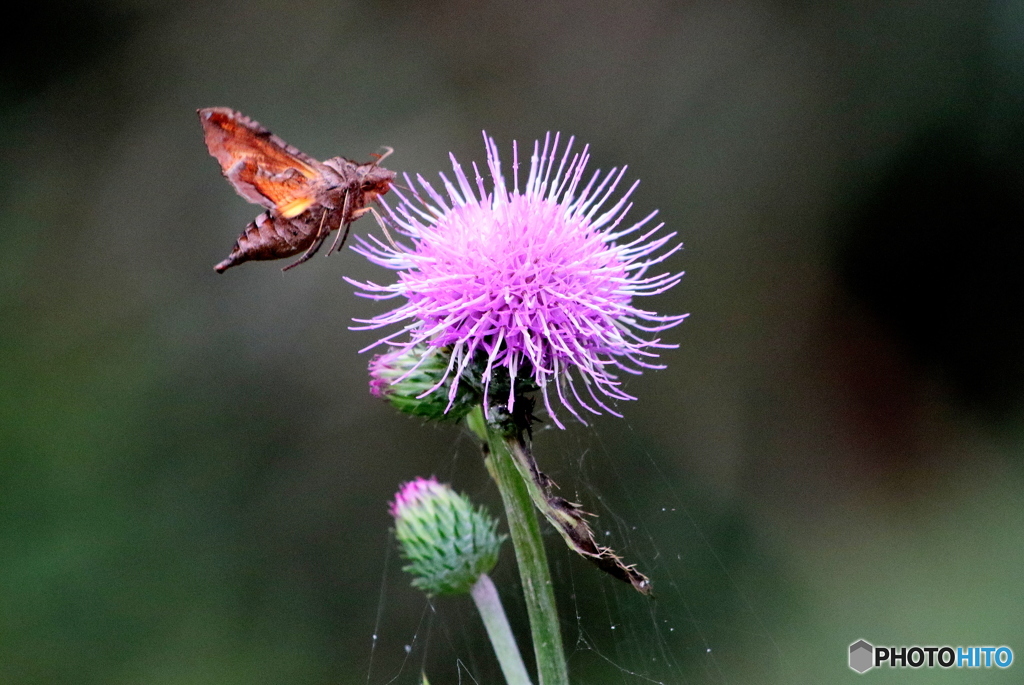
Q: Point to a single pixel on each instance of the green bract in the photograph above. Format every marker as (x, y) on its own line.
(415, 381)
(448, 543)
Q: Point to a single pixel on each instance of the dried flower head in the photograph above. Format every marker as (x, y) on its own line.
(535, 283)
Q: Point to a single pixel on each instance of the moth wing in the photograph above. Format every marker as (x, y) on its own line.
(264, 169)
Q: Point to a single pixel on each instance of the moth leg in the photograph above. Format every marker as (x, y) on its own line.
(383, 226)
(315, 246)
(308, 253)
(342, 235)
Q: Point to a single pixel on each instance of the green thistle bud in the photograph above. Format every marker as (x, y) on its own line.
(418, 382)
(448, 542)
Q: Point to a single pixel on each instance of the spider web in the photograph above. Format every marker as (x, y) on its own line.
(717, 596)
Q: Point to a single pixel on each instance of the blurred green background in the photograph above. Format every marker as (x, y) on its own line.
(194, 478)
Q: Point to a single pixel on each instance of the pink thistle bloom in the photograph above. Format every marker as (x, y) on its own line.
(538, 282)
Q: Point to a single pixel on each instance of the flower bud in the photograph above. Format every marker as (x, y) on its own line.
(448, 543)
(414, 381)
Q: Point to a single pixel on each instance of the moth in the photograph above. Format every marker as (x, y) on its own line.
(306, 200)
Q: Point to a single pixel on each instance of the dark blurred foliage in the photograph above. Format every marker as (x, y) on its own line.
(57, 41)
(934, 254)
(194, 480)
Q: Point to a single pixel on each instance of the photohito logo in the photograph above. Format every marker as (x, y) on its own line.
(864, 656)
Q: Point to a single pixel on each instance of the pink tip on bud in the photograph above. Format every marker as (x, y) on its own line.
(414, 492)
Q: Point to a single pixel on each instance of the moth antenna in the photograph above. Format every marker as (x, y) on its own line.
(381, 157)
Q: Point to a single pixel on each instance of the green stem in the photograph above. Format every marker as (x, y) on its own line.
(530, 555)
(488, 603)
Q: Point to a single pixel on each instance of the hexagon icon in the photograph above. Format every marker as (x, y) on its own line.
(861, 656)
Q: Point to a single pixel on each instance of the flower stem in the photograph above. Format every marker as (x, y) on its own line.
(488, 603)
(530, 554)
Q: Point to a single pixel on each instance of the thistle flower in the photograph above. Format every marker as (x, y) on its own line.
(448, 542)
(534, 284)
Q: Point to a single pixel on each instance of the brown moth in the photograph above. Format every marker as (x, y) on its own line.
(305, 199)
